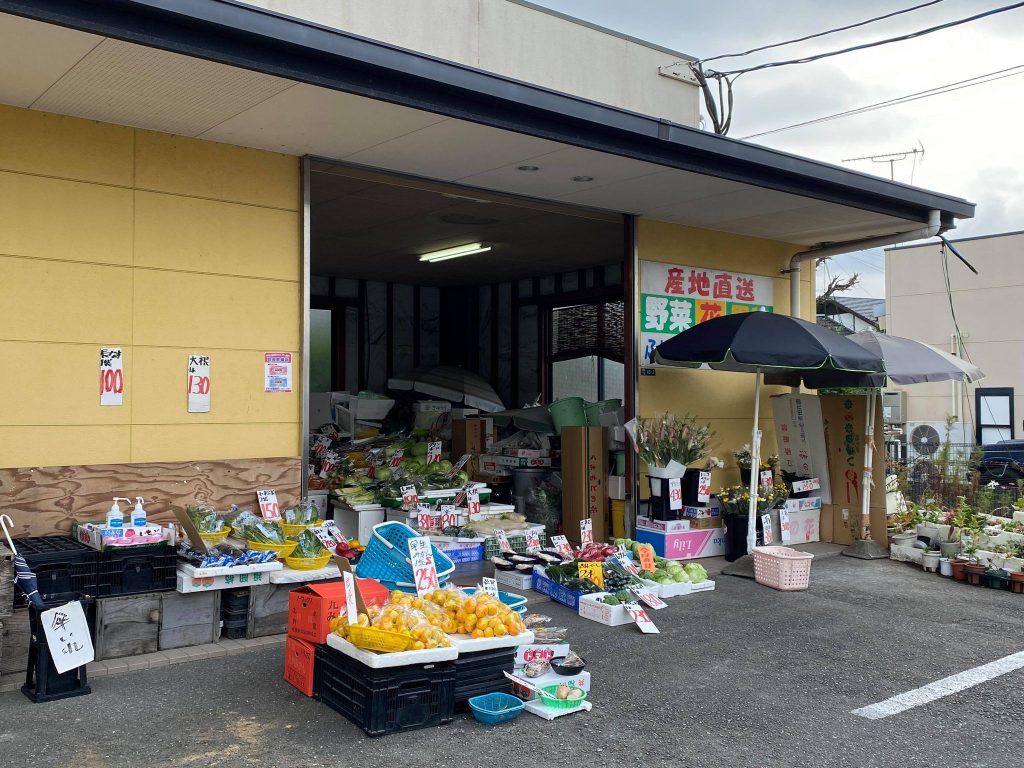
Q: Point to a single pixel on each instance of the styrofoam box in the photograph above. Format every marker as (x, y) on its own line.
(663, 591)
(540, 651)
(704, 586)
(663, 526)
(398, 659)
(513, 579)
(467, 644)
(579, 680)
(592, 608)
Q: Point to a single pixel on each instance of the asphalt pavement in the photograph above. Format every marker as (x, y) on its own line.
(742, 676)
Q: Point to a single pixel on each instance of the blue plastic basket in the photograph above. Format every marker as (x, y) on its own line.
(394, 538)
(376, 562)
(516, 602)
(494, 708)
(405, 586)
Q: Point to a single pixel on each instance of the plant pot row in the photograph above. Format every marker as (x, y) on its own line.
(978, 575)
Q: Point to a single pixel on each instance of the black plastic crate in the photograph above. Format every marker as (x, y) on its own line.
(482, 672)
(137, 570)
(382, 701)
(235, 599)
(62, 565)
(233, 633)
(42, 681)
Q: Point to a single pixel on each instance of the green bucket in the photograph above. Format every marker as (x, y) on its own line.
(594, 410)
(620, 463)
(568, 412)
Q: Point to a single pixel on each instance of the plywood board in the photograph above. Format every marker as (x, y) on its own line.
(47, 500)
(191, 619)
(127, 626)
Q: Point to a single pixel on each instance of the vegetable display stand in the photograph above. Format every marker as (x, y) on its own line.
(137, 570)
(63, 566)
(388, 700)
(42, 680)
(782, 568)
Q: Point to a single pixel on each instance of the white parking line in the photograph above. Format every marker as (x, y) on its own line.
(941, 688)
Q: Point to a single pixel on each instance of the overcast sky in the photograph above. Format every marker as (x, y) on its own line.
(972, 137)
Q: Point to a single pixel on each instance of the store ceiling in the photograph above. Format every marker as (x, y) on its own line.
(54, 69)
(365, 228)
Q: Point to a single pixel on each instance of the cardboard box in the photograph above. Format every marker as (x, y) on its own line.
(584, 481)
(685, 545)
(592, 608)
(617, 487)
(705, 523)
(311, 608)
(298, 664)
(469, 436)
(490, 463)
(663, 526)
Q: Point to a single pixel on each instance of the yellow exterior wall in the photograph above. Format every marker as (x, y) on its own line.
(725, 400)
(164, 246)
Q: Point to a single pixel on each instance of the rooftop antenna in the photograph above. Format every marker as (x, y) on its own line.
(892, 158)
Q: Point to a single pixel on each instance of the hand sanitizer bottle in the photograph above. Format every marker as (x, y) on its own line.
(115, 518)
(139, 515)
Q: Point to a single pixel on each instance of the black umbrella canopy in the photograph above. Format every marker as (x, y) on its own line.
(771, 343)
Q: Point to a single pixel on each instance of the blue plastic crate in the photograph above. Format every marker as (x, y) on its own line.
(516, 602)
(472, 554)
(494, 708)
(560, 594)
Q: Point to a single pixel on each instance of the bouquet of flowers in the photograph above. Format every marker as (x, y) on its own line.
(663, 439)
(742, 455)
(736, 499)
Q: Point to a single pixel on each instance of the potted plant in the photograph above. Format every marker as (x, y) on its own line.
(949, 544)
(930, 560)
(735, 502)
(691, 482)
(973, 570)
(668, 444)
(743, 459)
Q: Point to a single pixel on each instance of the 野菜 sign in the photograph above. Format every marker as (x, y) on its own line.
(674, 298)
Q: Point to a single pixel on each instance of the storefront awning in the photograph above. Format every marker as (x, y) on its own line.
(218, 70)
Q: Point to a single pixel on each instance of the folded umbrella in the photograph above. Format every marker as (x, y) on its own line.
(24, 577)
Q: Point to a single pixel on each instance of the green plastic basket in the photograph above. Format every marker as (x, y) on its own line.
(560, 703)
(517, 542)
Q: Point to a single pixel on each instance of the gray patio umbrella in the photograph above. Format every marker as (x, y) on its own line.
(908, 361)
(451, 383)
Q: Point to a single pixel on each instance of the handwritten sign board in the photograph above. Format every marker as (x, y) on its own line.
(562, 546)
(675, 493)
(199, 384)
(592, 571)
(704, 487)
(503, 543)
(643, 621)
(586, 531)
(269, 507)
(423, 568)
(111, 376)
(67, 636)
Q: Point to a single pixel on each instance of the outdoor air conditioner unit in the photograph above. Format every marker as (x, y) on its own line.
(894, 406)
(925, 440)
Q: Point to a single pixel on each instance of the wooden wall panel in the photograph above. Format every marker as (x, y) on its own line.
(47, 500)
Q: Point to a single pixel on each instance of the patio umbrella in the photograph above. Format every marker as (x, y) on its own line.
(451, 383)
(759, 342)
(24, 578)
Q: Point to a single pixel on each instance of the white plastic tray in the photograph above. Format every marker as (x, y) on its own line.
(550, 713)
(228, 570)
(387, 660)
(467, 644)
(293, 576)
(704, 586)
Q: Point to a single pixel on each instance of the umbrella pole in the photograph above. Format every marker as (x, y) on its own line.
(755, 465)
(869, 449)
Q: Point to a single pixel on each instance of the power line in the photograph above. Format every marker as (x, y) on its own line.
(989, 77)
(862, 46)
(819, 34)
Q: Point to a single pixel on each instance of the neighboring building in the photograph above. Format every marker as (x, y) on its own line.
(991, 334)
(850, 314)
(201, 177)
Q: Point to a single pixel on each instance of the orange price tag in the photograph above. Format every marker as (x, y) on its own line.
(592, 571)
(646, 554)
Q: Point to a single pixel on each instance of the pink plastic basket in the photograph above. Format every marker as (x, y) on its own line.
(782, 568)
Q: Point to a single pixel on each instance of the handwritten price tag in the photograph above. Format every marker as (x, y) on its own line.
(321, 445)
(675, 493)
(198, 384)
(409, 497)
(459, 465)
(424, 519)
(592, 571)
(586, 531)
(704, 487)
(269, 508)
(532, 541)
(648, 597)
(111, 376)
(490, 586)
(396, 457)
(503, 544)
(423, 568)
(449, 517)
(473, 505)
(786, 531)
(562, 547)
(766, 529)
(626, 563)
(767, 481)
(330, 535)
(646, 554)
(351, 606)
(639, 615)
(433, 452)
(811, 484)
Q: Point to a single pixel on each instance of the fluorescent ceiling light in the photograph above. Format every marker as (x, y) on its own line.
(453, 253)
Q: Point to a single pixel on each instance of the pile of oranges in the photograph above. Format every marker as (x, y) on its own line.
(455, 612)
(400, 618)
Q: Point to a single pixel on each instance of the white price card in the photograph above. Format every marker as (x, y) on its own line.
(704, 487)
(675, 493)
(277, 372)
(627, 563)
(810, 484)
(490, 586)
(269, 508)
(111, 376)
(449, 517)
(67, 636)
(330, 461)
(766, 529)
(532, 541)
(648, 597)
(503, 544)
(459, 465)
(433, 451)
(473, 505)
(423, 568)
(396, 457)
(351, 605)
(767, 481)
(586, 531)
(562, 547)
(410, 498)
(424, 519)
(639, 615)
(330, 535)
(198, 384)
(786, 531)
(320, 447)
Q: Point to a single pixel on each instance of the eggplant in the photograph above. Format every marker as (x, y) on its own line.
(548, 558)
(524, 567)
(522, 558)
(502, 564)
